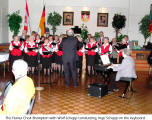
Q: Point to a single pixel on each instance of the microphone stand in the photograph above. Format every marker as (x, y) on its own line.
(39, 87)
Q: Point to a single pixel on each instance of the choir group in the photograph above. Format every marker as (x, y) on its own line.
(48, 48)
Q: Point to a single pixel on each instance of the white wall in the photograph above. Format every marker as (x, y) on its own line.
(134, 10)
(3, 21)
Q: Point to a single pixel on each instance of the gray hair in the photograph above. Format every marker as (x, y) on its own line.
(19, 68)
(32, 37)
(70, 32)
(126, 51)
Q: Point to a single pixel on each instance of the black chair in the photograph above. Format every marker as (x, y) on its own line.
(29, 111)
(128, 81)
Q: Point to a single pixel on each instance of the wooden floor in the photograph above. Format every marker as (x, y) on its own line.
(57, 99)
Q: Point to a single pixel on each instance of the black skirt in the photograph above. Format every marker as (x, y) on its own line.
(91, 60)
(97, 58)
(79, 62)
(25, 56)
(58, 59)
(13, 58)
(32, 61)
(46, 62)
(53, 58)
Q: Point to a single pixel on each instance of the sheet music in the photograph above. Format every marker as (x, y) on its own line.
(105, 59)
(47, 48)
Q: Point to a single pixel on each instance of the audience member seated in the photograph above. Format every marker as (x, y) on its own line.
(125, 69)
(20, 94)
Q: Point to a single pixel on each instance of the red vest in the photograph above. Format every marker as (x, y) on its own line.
(79, 52)
(16, 52)
(59, 52)
(120, 53)
(31, 53)
(25, 42)
(91, 52)
(104, 50)
(43, 49)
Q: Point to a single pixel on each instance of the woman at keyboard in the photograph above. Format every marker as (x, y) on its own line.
(125, 69)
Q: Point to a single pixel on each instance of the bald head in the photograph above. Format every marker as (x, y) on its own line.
(70, 32)
(19, 68)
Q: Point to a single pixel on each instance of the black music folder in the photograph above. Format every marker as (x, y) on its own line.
(46, 52)
(16, 47)
(53, 44)
(22, 39)
(119, 47)
(30, 49)
(91, 48)
(41, 42)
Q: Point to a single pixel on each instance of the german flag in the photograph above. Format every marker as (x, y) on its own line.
(150, 25)
(42, 22)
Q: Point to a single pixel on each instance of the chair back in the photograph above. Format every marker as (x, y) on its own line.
(8, 86)
(29, 111)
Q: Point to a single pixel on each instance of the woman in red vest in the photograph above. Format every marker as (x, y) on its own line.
(106, 48)
(80, 51)
(54, 50)
(92, 49)
(45, 52)
(122, 46)
(31, 51)
(59, 56)
(15, 48)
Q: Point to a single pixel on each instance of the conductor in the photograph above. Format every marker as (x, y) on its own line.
(69, 58)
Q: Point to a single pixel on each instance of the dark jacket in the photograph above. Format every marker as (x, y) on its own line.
(69, 47)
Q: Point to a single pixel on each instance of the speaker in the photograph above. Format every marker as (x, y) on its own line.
(97, 90)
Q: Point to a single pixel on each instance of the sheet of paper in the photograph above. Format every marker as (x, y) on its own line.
(105, 59)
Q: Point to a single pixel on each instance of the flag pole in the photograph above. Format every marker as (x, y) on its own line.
(30, 26)
(39, 88)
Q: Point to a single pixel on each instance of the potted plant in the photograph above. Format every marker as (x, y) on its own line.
(97, 35)
(14, 22)
(144, 27)
(120, 37)
(84, 32)
(119, 22)
(54, 19)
